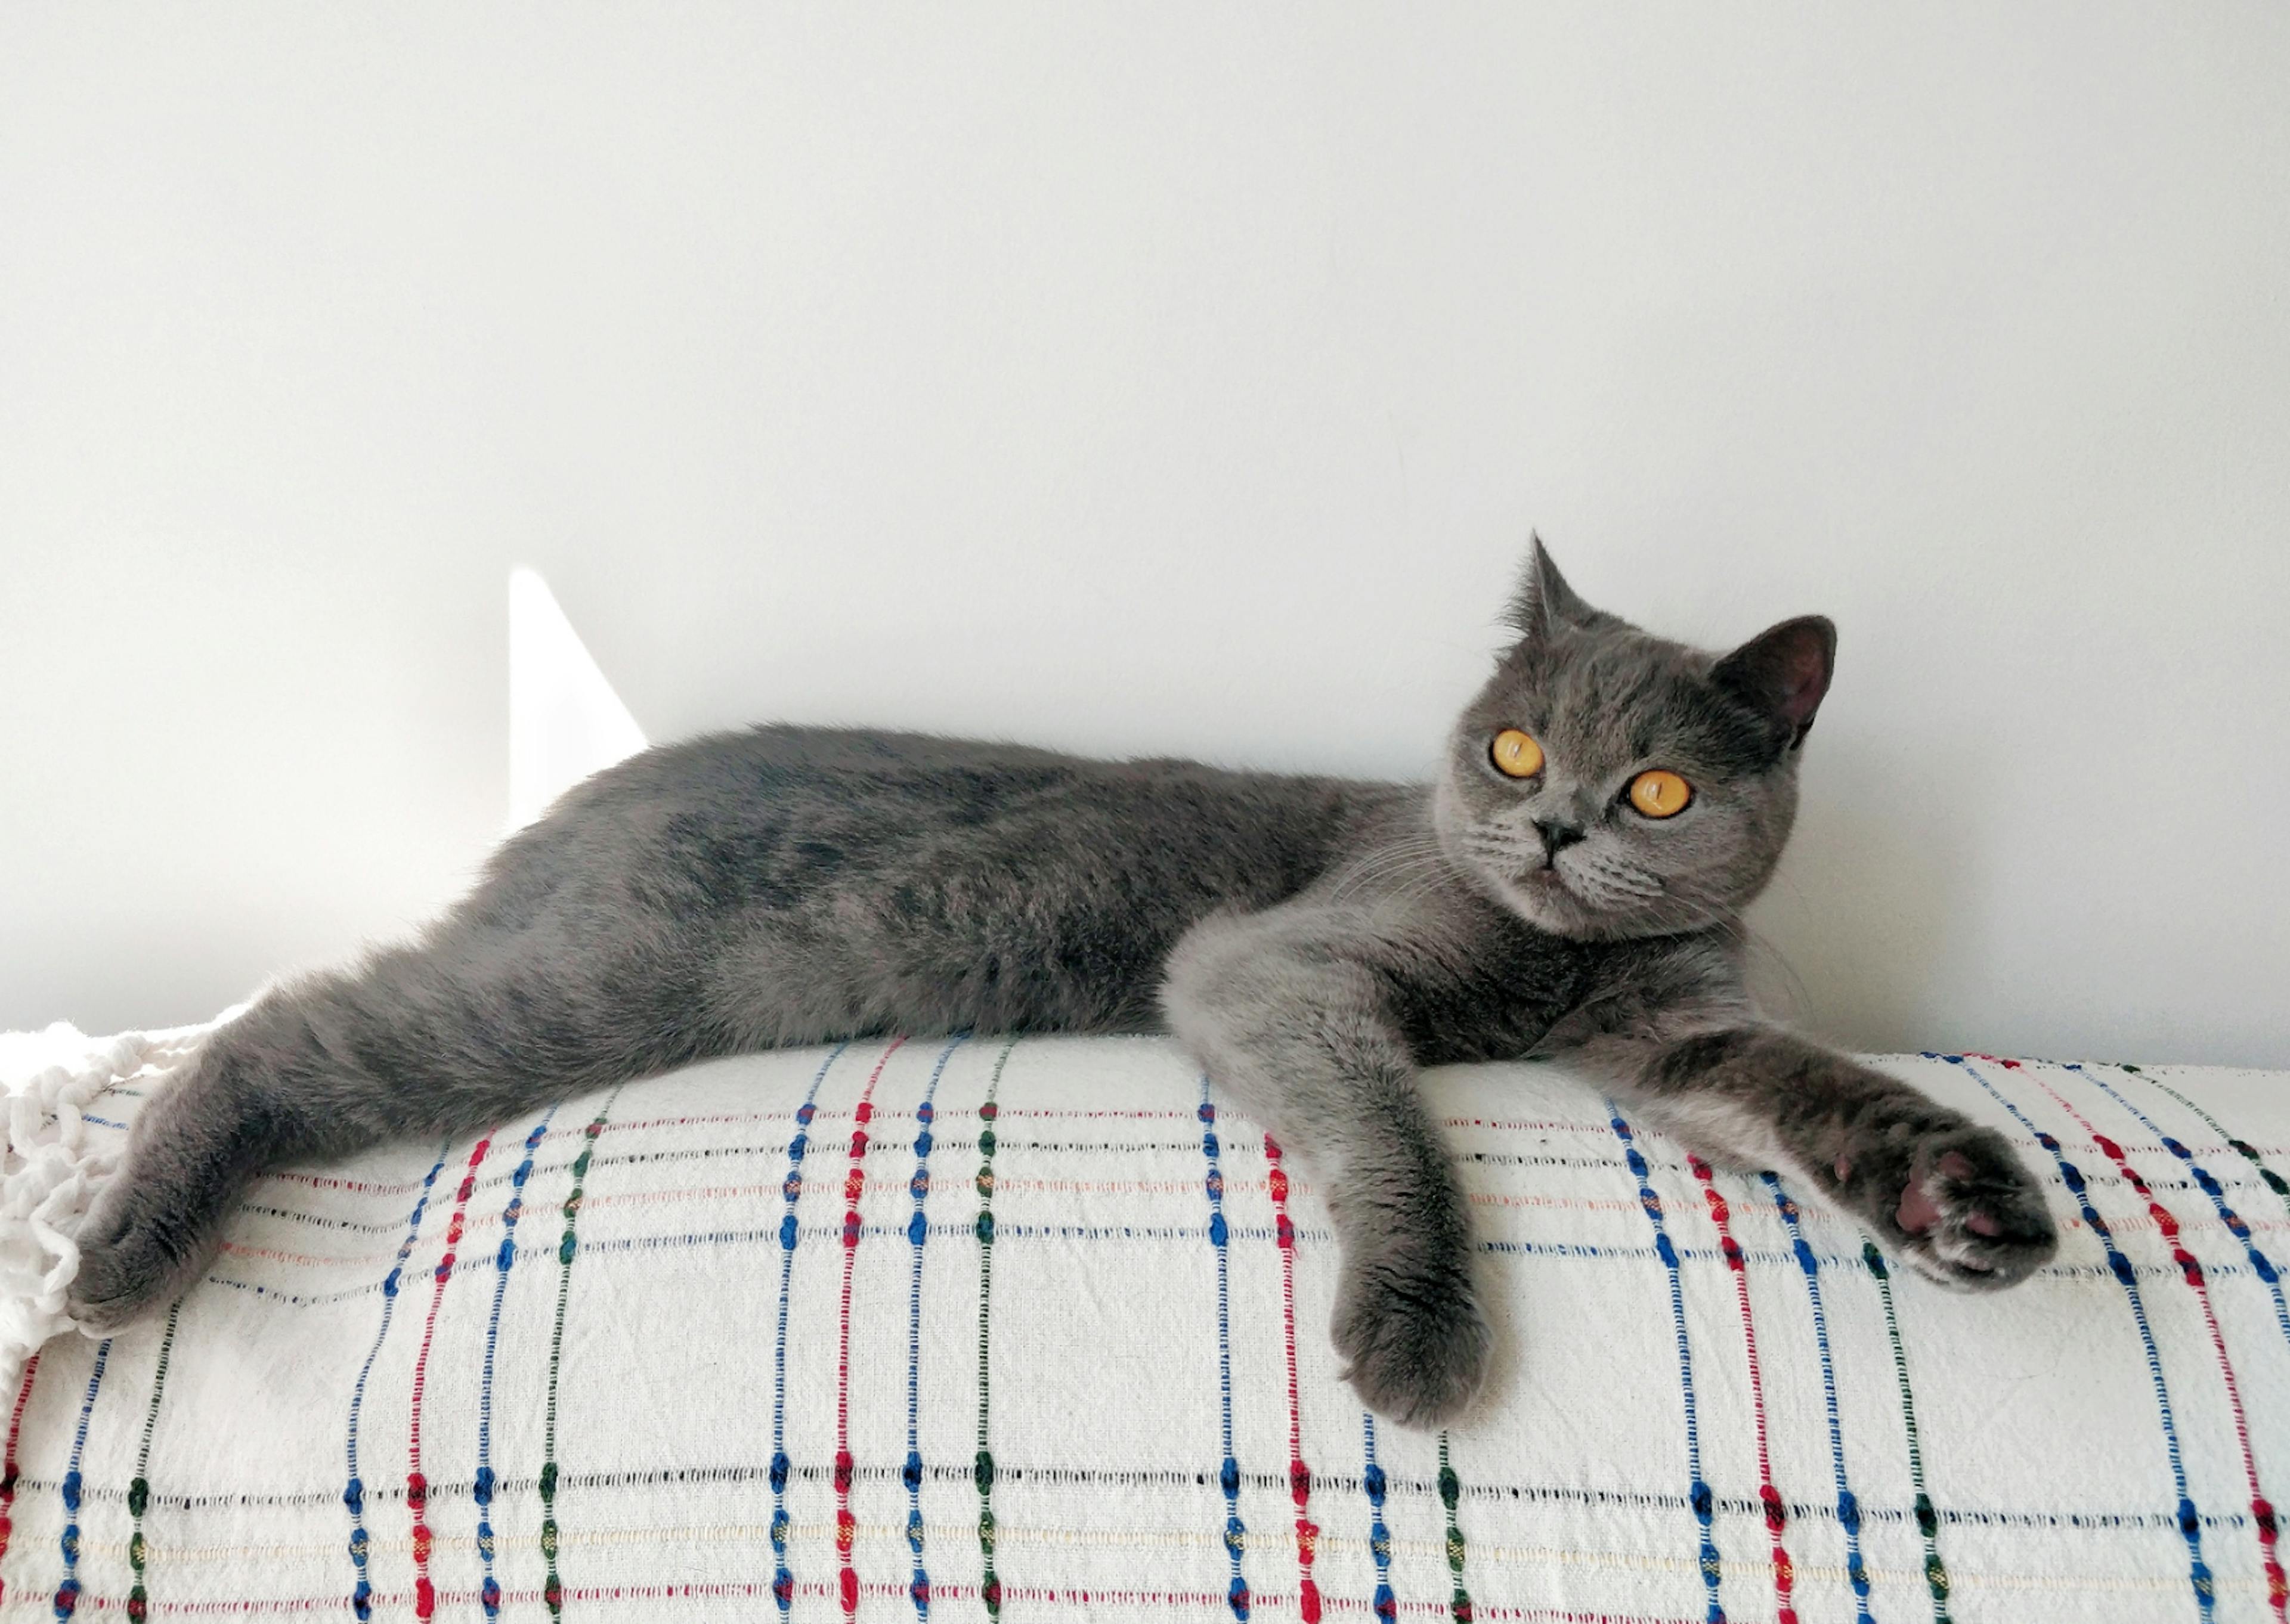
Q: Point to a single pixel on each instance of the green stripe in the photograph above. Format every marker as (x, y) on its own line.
(138, 1491)
(2248, 1152)
(553, 1593)
(989, 1586)
(1928, 1519)
(1450, 1491)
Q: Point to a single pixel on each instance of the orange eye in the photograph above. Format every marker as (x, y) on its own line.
(1516, 754)
(1660, 793)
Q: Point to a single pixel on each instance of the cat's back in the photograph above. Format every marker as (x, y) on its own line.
(775, 814)
(923, 784)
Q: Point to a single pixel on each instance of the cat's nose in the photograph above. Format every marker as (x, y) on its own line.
(1556, 837)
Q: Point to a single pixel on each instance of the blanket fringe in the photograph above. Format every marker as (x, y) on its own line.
(54, 1163)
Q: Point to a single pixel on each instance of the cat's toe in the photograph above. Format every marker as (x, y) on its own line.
(1968, 1214)
(1417, 1349)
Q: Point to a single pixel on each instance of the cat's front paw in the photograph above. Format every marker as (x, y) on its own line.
(1417, 1346)
(1949, 1197)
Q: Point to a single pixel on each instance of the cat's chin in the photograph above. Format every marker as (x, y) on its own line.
(1545, 900)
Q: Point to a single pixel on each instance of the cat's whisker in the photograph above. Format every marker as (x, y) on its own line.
(1413, 889)
(1416, 889)
(1385, 866)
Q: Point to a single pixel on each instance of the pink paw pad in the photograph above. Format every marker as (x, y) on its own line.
(1918, 1212)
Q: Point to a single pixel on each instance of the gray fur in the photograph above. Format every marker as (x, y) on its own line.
(1312, 941)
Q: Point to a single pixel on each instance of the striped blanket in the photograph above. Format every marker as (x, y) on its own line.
(980, 1328)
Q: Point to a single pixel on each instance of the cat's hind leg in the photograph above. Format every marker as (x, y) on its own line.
(200, 1140)
(446, 1037)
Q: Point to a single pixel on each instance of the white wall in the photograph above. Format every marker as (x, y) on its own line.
(1132, 378)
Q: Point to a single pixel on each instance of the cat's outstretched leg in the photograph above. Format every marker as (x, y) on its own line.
(243, 1106)
(1948, 1196)
(190, 1154)
(435, 1039)
(1298, 1033)
(312, 1072)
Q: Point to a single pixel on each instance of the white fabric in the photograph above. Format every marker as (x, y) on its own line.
(1136, 1324)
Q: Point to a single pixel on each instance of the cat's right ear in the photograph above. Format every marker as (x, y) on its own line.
(1782, 673)
(1543, 599)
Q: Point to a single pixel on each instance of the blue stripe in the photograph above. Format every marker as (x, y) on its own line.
(1848, 1505)
(917, 1232)
(504, 1260)
(783, 1577)
(1379, 1537)
(1703, 1503)
(68, 1592)
(354, 1490)
(2190, 1522)
(2260, 1265)
(1228, 1475)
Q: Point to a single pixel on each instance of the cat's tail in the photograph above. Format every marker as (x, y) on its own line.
(418, 1042)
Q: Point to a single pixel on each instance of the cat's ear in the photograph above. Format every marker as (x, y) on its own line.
(1543, 599)
(1783, 672)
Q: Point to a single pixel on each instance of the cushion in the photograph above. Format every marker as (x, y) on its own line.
(940, 1330)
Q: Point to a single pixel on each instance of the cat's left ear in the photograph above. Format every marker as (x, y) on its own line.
(1543, 599)
(1783, 672)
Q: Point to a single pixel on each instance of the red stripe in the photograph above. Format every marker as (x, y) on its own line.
(8, 1467)
(854, 1185)
(1776, 1514)
(2261, 1512)
(1300, 1476)
(417, 1486)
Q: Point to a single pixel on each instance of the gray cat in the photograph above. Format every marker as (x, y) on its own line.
(1570, 884)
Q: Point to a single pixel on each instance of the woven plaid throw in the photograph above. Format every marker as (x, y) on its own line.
(975, 1328)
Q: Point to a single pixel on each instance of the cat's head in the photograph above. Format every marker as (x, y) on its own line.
(1606, 783)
